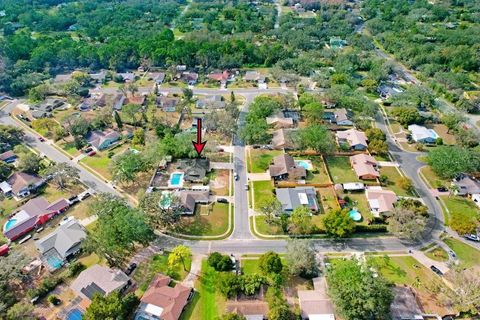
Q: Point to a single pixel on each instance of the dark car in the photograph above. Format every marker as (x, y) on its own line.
(472, 237)
(84, 196)
(73, 200)
(41, 139)
(436, 270)
(442, 189)
(131, 268)
(222, 200)
(88, 150)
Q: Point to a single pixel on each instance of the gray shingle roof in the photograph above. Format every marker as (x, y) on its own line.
(63, 239)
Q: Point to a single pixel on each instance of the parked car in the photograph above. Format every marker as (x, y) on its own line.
(41, 139)
(472, 237)
(88, 150)
(131, 268)
(452, 254)
(246, 187)
(222, 200)
(73, 200)
(442, 189)
(84, 195)
(235, 176)
(92, 153)
(436, 270)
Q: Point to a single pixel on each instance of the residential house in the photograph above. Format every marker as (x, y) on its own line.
(99, 280)
(127, 76)
(387, 91)
(356, 140)
(62, 78)
(22, 184)
(291, 198)
(101, 140)
(190, 198)
(189, 77)
(167, 104)
(210, 102)
(8, 156)
(365, 166)
(466, 185)
(163, 300)
(45, 109)
(118, 101)
(138, 100)
(194, 170)
(99, 77)
(251, 310)
(34, 213)
(282, 139)
(37, 114)
(157, 77)
(280, 122)
(405, 306)
(316, 304)
(328, 103)
(254, 76)
(221, 77)
(61, 245)
(284, 167)
(342, 117)
(422, 134)
(381, 202)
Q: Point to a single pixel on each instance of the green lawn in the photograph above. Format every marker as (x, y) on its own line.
(394, 176)
(250, 266)
(319, 173)
(261, 190)
(100, 163)
(208, 304)
(159, 264)
(463, 213)
(265, 228)
(340, 170)
(437, 254)
(468, 255)
(359, 201)
(208, 220)
(433, 180)
(261, 159)
(69, 147)
(328, 199)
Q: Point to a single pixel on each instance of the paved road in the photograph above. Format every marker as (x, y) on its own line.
(52, 153)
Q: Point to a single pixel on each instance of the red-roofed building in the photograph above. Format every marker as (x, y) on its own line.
(34, 213)
(162, 301)
(221, 77)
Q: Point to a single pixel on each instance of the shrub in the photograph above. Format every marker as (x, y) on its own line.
(47, 285)
(75, 268)
(54, 300)
(220, 262)
(371, 228)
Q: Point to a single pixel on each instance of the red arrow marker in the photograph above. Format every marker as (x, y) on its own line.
(199, 145)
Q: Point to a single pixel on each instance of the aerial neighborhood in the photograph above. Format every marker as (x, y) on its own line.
(234, 160)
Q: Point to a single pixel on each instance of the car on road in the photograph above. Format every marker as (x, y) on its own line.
(472, 237)
(131, 268)
(235, 176)
(452, 254)
(88, 150)
(41, 139)
(436, 270)
(246, 187)
(84, 195)
(222, 200)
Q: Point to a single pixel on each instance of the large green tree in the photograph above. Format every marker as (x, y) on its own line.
(358, 292)
(300, 258)
(126, 166)
(449, 161)
(113, 306)
(338, 223)
(62, 174)
(270, 263)
(315, 137)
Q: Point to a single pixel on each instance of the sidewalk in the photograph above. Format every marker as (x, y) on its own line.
(427, 262)
(259, 176)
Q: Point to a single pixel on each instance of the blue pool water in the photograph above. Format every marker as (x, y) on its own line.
(10, 223)
(355, 215)
(176, 179)
(303, 164)
(74, 314)
(54, 262)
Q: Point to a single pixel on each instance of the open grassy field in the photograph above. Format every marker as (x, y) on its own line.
(208, 220)
(267, 228)
(462, 212)
(208, 304)
(262, 190)
(261, 159)
(433, 180)
(394, 176)
(437, 254)
(468, 255)
(340, 170)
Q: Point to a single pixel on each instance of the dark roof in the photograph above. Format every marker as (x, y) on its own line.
(21, 180)
(194, 169)
(404, 305)
(91, 289)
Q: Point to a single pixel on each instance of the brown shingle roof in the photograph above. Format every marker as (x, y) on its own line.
(284, 164)
(21, 180)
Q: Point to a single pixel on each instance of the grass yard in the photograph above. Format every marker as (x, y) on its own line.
(261, 159)
(268, 229)
(100, 163)
(261, 190)
(208, 304)
(340, 170)
(328, 199)
(68, 147)
(159, 264)
(360, 202)
(441, 130)
(394, 176)
(319, 173)
(468, 255)
(250, 266)
(437, 254)
(408, 271)
(208, 220)
(463, 214)
(52, 193)
(90, 260)
(433, 180)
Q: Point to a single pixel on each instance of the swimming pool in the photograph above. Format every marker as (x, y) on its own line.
(165, 200)
(9, 224)
(74, 314)
(355, 215)
(176, 180)
(306, 164)
(54, 261)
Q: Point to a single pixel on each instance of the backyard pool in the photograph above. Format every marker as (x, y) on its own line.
(54, 261)
(165, 200)
(176, 180)
(9, 224)
(306, 164)
(355, 215)
(74, 314)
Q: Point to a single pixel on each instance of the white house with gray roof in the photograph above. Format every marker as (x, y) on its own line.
(422, 134)
(62, 244)
(291, 198)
